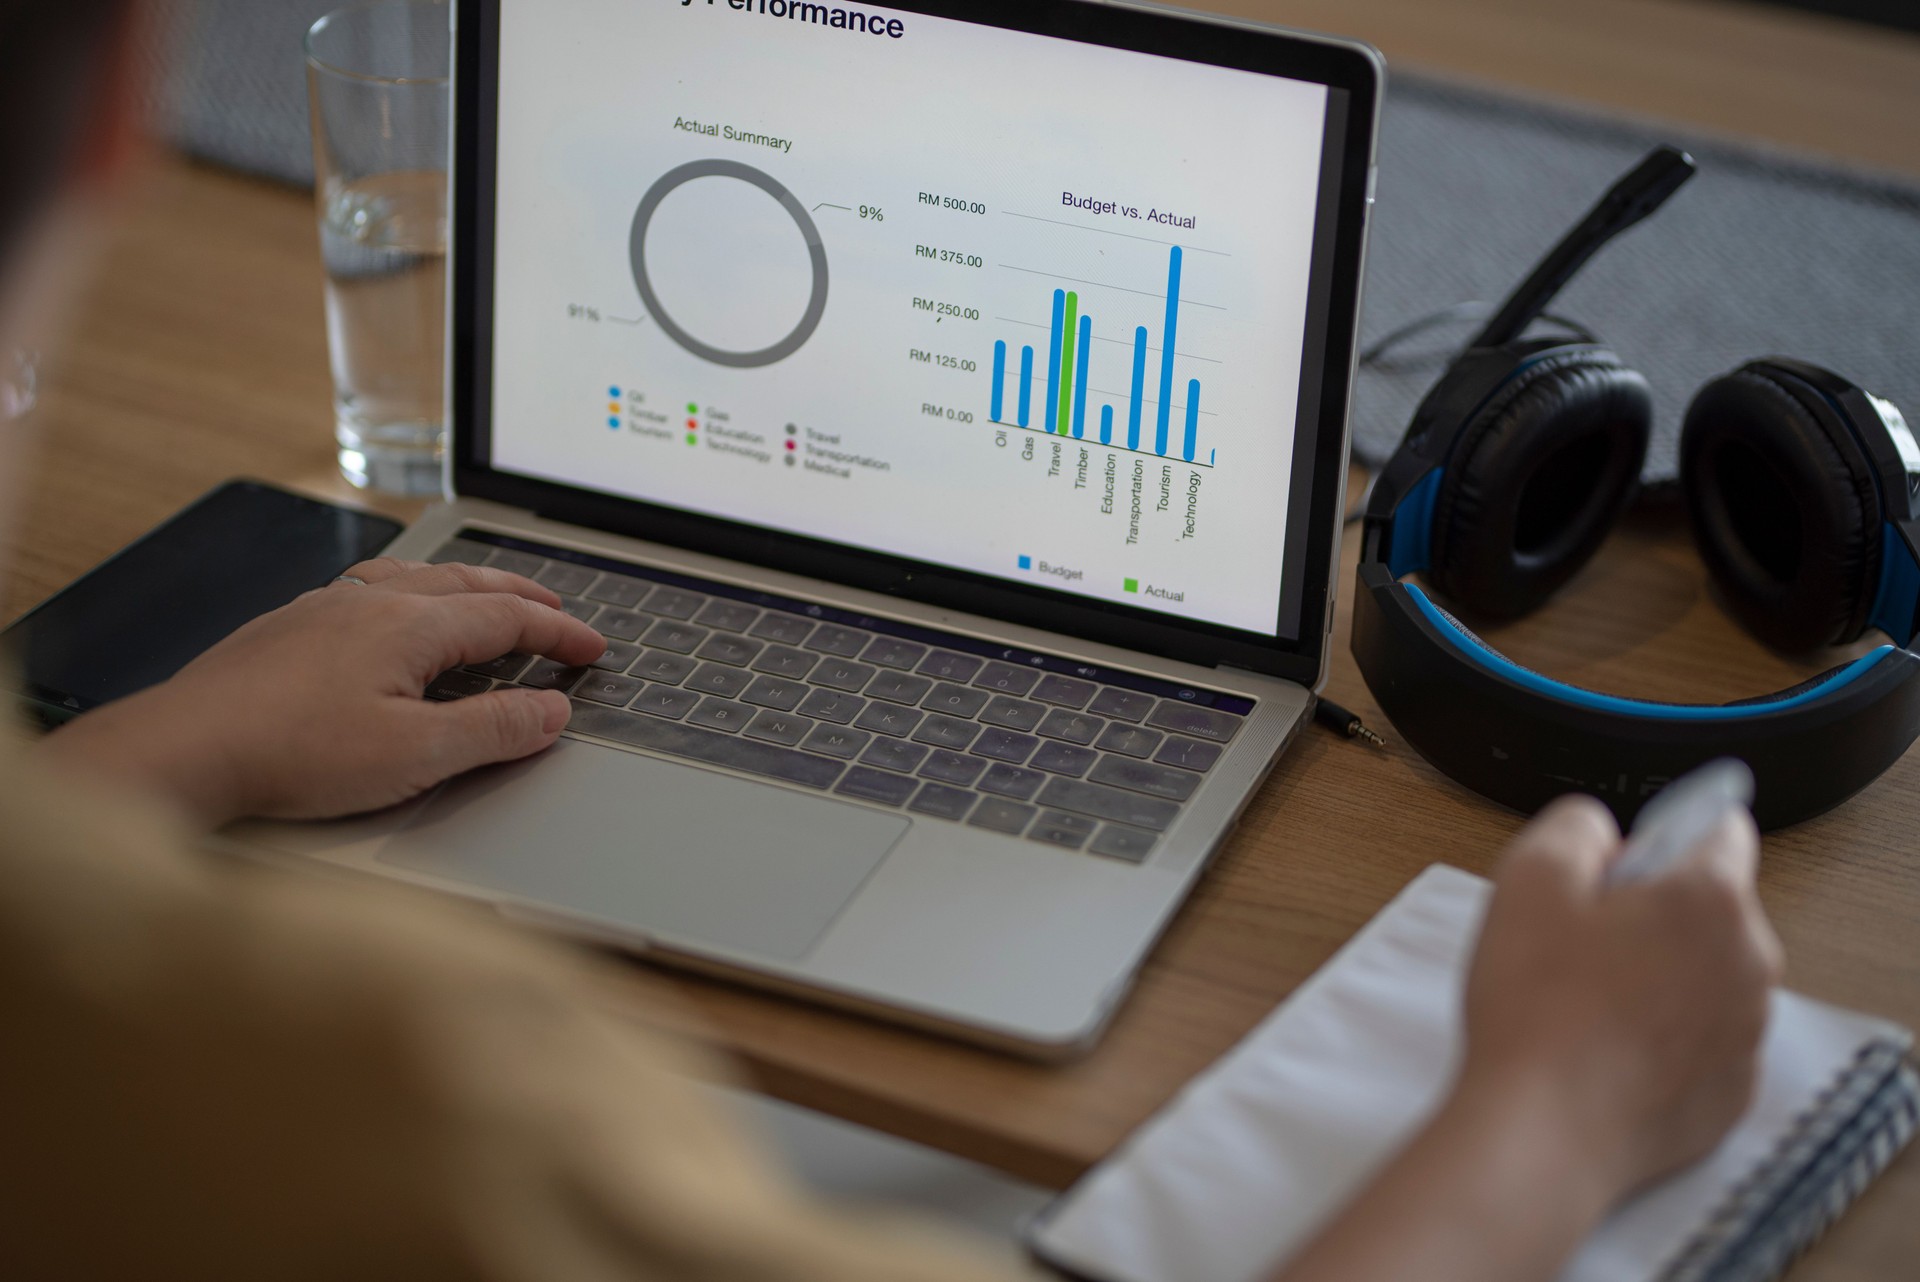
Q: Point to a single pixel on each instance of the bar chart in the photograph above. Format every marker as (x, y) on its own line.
(1066, 401)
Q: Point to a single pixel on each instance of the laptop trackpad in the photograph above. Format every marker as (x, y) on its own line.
(681, 854)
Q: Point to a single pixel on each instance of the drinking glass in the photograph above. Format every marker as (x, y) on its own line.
(377, 82)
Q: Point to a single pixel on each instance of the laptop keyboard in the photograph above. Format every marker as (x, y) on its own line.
(952, 728)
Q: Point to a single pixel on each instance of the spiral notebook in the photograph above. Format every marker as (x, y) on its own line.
(1240, 1169)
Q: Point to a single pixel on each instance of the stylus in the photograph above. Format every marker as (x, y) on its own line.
(1677, 820)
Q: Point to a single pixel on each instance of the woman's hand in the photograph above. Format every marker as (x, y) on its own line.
(1612, 1036)
(315, 710)
(1634, 1013)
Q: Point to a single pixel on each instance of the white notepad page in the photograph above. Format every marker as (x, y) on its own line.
(1260, 1150)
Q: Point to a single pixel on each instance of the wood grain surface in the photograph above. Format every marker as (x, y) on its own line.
(199, 354)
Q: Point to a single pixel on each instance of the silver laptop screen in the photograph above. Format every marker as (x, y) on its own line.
(1001, 302)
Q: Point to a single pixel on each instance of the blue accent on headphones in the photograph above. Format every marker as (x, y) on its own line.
(1412, 548)
(1897, 602)
(1592, 700)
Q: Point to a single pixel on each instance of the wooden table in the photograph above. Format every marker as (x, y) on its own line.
(199, 354)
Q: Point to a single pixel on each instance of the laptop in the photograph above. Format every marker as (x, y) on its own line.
(941, 410)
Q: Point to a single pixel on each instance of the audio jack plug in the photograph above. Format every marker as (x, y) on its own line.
(1344, 723)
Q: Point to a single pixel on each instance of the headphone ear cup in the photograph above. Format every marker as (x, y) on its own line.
(1536, 480)
(1784, 508)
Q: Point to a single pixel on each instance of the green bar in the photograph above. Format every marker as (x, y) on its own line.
(1066, 362)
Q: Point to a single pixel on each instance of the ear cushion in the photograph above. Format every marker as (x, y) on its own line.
(1536, 479)
(1784, 508)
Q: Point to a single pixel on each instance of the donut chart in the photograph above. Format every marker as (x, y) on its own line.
(643, 220)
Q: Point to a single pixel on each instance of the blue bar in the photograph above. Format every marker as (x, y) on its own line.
(999, 378)
(1026, 383)
(1166, 351)
(1053, 362)
(1106, 424)
(1193, 417)
(1139, 387)
(1080, 377)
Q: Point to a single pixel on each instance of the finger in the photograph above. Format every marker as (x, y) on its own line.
(503, 725)
(1727, 861)
(380, 569)
(477, 626)
(1564, 852)
(454, 578)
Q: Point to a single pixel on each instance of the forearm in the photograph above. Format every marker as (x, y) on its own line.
(141, 745)
(1497, 1188)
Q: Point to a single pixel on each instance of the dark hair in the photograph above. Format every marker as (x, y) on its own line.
(52, 64)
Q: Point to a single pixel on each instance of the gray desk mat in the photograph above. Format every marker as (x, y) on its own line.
(1762, 254)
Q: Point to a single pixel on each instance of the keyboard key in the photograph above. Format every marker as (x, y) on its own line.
(579, 608)
(461, 552)
(1102, 802)
(721, 714)
(876, 785)
(712, 678)
(609, 688)
(941, 801)
(956, 701)
(1001, 815)
(617, 657)
(891, 754)
(1006, 678)
(946, 732)
(1014, 714)
(842, 674)
(728, 616)
(1129, 741)
(677, 739)
(945, 665)
(567, 580)
(1200, 723)
(785, 661)
(658, 665)
(1064, 830)
(457, 685)
(681, 638)
(884, 719)
(738, 651)
(898, 687)
(775, 692)
(620, 591)
(784, 728)
(831, 638)
(1006, 745)
(1188, 754)
(545, 674)
(1117, 841)
(1138, 776)
(1067, 692)
(890, 652)
(621, 625)
(837, 741)
(521, 563)
(1074, 727)
(1011, 781)
(665, 701)
(784, 629)
(832, 705)
(1064, 759)
(504, 668)
(951, 767)
(1122, 705)
(675, 603)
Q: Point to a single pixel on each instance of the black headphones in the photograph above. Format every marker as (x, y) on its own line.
(1802, 490)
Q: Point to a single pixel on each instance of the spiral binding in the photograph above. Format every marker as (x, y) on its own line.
(1819, 1168)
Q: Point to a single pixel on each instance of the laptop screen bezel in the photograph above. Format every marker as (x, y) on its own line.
(1334, 290)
